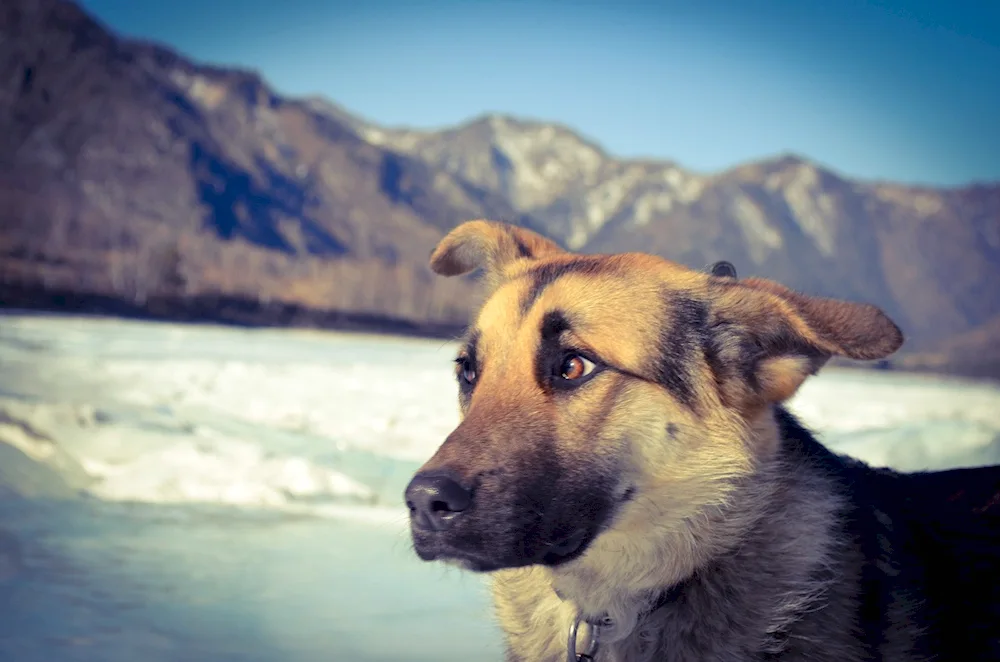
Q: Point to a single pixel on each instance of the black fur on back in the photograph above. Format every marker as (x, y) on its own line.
(930, 540)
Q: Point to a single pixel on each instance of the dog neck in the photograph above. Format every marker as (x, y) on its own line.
(625, 572)
(758, 555)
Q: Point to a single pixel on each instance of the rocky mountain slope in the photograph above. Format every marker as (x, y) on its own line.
(129, 174)
(128, 171)
(930, 257)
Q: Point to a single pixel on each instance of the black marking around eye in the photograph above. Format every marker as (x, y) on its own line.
(672, 430)
(544, 275)
(553, 352)
(550, 349)
(471, 346)
(554, 324)
(680, 345)
(464, 387)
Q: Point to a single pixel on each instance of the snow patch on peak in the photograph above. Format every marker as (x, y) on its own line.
(205, 91)
(761, 237)
(922, 203)
(811, 207)
(687, 186)
(651, 205)
(542, 161)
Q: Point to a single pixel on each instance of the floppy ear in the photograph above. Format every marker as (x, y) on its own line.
(765, 339)
(487, 244)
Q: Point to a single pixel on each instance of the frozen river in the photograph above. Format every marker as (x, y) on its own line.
(241, 489)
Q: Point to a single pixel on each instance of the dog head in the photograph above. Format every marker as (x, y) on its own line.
(590, 382)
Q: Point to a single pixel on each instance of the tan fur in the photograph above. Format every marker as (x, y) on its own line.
(781, 377)
(652, 551)
(486, 244)
(699, 470)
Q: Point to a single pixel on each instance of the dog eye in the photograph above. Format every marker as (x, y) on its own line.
(575, 367)
(466, 371)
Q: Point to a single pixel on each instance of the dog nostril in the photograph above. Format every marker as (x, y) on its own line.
(434, 501)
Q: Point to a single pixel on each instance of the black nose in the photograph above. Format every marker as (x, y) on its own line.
(434, 501)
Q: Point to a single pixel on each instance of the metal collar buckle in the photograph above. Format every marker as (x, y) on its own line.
(572, 654)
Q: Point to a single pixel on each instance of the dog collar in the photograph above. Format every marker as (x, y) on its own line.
(573, 654)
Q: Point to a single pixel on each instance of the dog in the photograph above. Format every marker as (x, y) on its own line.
(626, 473)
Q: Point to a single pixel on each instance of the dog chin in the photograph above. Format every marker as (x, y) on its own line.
(471, 565)
(555, 555)
(487, 566)
(434, 551)
(462, 561)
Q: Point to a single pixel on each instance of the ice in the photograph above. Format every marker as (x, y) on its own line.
(241, 490)
(908, 422)
(224, 472)
(163, 413)
(114, 583)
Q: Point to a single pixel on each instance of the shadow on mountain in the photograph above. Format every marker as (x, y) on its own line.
(237, 206)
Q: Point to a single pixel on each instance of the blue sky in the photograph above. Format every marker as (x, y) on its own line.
(906, 91)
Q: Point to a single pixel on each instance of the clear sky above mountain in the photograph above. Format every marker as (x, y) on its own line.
(906, 91)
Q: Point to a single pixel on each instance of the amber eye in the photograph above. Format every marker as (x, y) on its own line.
(466, 371)
(575, 367)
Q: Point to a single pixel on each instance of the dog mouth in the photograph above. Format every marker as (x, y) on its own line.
(569, 548)
(432, 547)
(435, 550)
(556, 554)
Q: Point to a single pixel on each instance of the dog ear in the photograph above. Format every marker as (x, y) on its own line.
(489, 245)
(766, 339)
(723, 269)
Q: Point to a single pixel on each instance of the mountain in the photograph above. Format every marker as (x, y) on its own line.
(128, 171)
(974, 353)
(930, 257)
(133, 179)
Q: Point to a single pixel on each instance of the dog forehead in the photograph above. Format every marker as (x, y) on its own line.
(617, 305)
(499, 317)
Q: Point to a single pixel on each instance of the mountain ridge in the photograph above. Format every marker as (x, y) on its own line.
(787, 156)
(130, 171)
